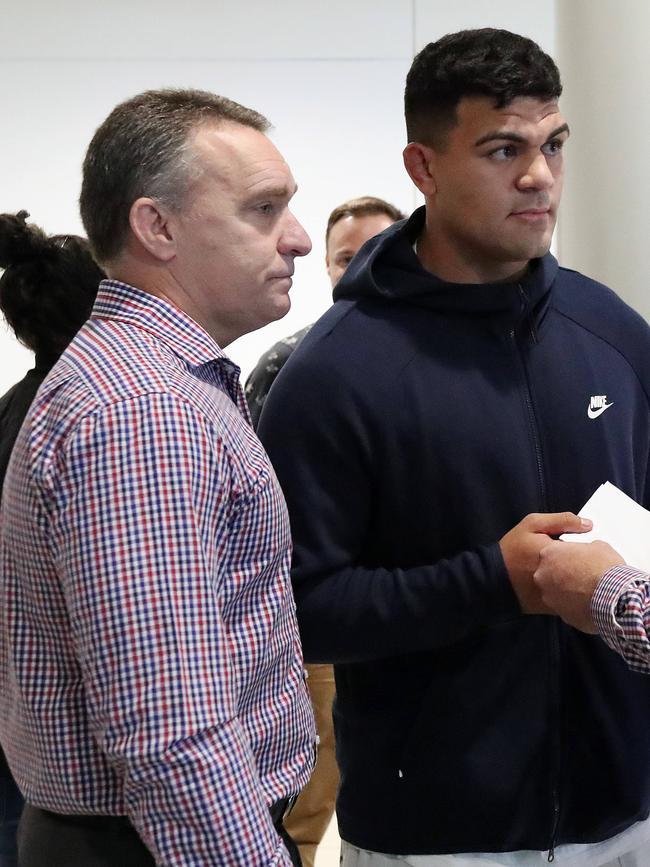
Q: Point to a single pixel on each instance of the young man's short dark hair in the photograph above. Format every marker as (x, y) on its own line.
(470, 63)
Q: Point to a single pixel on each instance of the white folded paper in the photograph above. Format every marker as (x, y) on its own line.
(619, 520)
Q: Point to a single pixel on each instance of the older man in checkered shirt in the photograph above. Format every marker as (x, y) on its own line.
(152, 698)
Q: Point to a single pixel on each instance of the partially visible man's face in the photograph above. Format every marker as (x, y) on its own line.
(346, 236)
(498, 184)
(236, 237)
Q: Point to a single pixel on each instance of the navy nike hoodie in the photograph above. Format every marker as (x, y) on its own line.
(415, 425)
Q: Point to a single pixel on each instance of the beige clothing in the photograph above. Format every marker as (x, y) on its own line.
(314, 808)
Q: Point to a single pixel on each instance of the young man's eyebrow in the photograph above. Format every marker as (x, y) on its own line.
(504, 135)
(559, 131)
(500, 135)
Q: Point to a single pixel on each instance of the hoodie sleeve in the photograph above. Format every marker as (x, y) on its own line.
(350, 610)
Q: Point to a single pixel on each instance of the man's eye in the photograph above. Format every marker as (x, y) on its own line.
(507, 152)
(552, 147)
(266, 208)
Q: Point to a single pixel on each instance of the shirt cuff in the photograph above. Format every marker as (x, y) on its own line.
(606, 597)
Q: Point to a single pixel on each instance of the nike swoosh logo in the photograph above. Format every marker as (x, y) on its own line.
(594, 413)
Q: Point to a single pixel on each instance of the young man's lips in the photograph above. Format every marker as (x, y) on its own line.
(532, 213)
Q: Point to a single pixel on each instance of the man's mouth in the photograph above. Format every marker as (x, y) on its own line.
(283, 276)
(532, 214)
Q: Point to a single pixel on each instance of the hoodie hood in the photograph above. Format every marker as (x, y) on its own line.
(387, 268)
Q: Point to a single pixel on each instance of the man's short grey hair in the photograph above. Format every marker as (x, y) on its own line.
(144, 148)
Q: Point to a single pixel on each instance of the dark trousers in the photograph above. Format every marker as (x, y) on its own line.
(278, 811)
(11, 806)
(53, 840)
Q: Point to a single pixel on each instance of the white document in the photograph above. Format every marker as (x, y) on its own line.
(619, 520)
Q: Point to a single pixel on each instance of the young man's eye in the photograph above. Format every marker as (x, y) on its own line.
(552, 147)
(266, 208)
(506, 152)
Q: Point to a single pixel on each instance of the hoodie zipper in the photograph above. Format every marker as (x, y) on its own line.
(529, 402)
(554, 636)
(555, 724)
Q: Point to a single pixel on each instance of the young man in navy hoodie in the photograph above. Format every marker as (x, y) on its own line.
(431, 433)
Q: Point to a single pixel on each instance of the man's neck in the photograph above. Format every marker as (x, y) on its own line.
(452, 266)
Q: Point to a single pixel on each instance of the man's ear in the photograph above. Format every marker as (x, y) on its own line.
(150, 225)
(419, 161)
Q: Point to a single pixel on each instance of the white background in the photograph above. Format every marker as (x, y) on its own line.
(329, 76)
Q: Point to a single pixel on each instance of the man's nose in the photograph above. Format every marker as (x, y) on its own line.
(294, 241)
(538, 175)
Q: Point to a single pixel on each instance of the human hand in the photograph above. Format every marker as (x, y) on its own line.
(567, 576)
(521, 547)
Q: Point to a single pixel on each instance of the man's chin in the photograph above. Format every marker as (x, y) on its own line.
(532, 250)
(281, 307)
(542, 250)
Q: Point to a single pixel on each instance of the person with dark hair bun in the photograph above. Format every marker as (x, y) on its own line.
(46, 293)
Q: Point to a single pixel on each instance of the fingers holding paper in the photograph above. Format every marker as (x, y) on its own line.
(567, 575)
(521, 547)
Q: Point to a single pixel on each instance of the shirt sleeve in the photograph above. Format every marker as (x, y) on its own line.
(621, 611)
(144, 501)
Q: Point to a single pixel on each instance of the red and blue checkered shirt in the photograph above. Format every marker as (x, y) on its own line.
(620, 608)
(150, 664)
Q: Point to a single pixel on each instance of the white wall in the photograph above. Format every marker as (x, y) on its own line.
(605, 222)
(329, 76)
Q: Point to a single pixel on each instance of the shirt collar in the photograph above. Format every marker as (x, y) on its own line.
(171, 325)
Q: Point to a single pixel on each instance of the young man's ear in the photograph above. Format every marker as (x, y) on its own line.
(419, 161)
(150, 224)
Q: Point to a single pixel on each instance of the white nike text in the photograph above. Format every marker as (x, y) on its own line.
(597, 405)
